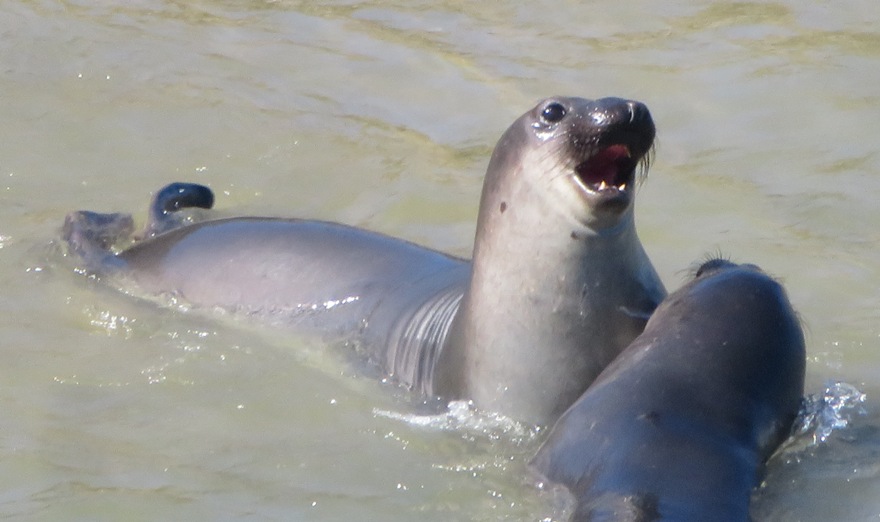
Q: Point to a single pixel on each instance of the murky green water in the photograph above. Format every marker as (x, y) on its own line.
(383, 115)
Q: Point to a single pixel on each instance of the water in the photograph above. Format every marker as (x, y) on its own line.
(383, 115)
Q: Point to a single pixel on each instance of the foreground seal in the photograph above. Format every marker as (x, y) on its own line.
(679, 426)
(559, 283)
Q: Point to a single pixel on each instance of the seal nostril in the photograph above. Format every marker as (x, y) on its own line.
(638, 113)
(633, 108)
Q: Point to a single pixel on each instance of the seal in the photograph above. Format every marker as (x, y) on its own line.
(559, 283)
(679, 426)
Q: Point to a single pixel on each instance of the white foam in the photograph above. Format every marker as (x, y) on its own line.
(465, 417)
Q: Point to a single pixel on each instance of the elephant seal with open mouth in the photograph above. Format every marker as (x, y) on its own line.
(558, 285)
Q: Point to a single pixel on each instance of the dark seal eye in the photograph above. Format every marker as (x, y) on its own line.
(553, 112)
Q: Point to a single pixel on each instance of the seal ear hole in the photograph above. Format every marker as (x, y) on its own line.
(503, 206)
(553, 112)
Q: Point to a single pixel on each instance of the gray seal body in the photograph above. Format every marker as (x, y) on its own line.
(680, 425)
(559, 283)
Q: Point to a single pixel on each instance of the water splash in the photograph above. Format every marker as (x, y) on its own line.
(463, 416)
(823, 414)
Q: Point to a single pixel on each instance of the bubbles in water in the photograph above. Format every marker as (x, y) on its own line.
(155, 374)
(110, 323)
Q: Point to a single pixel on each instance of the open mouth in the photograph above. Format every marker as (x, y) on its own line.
(611, 170)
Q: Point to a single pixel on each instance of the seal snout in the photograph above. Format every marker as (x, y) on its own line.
(622, 132)
(625, 122)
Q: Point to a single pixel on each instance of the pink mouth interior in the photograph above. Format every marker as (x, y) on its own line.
(613, 165)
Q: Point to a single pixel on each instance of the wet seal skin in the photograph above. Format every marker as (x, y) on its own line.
(559, 283)
(680, 425)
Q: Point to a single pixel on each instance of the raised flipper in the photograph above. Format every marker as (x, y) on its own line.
(169, 200)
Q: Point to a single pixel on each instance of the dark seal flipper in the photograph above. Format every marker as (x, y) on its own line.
(680, 425)
(90, 235)
(169, 200)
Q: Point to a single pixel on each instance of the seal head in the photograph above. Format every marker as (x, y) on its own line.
(605, 144)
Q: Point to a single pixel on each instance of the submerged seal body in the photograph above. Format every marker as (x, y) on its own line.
(680, 425)
(558, 285)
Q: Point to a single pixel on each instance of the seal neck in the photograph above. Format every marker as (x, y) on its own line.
(545, 310)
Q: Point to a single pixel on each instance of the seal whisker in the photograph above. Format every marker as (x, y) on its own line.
(645, 165)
